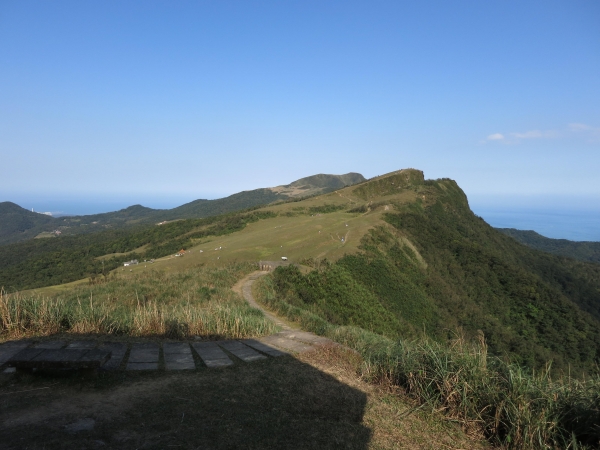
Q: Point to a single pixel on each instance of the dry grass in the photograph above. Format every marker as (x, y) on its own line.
(196, 302)
(389, 414)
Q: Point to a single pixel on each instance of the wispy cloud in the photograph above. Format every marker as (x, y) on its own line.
(536, 134)
(593, 134)
(579, 127)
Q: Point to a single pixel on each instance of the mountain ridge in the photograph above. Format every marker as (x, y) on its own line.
(18, 224)
(398, 255)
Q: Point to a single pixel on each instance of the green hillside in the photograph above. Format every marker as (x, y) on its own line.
(18, 224)
(582, 251)
(475, 278)
(397, 255)
(457, 313)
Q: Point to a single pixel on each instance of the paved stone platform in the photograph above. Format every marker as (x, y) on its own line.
(211, 354)
(171, 356)
(178, 356)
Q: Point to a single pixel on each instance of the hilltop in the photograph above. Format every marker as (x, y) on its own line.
(18, 224)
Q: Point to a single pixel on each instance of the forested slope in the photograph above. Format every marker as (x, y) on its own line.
(582, 251)
(531, 306)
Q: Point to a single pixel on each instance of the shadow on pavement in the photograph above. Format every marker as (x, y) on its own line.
(279, 403)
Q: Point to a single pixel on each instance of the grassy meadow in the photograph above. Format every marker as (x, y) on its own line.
(194, 302)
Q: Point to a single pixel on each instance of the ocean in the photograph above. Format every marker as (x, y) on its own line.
(575, 225)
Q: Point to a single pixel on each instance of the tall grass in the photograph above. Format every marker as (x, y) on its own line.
(197, 302)
(512, 407)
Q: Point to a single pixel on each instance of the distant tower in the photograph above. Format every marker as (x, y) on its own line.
(31, 209)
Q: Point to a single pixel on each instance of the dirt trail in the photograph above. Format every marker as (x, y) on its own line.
(290, 331)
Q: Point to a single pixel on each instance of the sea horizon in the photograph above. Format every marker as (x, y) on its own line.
(557, 223)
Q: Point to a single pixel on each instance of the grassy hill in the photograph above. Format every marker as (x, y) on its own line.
(582, 251)
(397, 255)
(399, 268)
(18, 224)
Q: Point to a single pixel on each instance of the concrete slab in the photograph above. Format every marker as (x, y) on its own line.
(50, 345)
(117, 351)
(9, 349)
(28, 354)
(286, 344)
(241, 351)
(176, 347)
(144, 353)
(58, 359)
(178, 356)
(186, 365)
(82, 344)
(211, 354)
(264, 348)
(60, 355)
(142, 366)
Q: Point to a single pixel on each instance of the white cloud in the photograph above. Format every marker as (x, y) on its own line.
(536, 134)
(579, 127)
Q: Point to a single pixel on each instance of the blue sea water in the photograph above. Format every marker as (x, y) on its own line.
(72, 205)
(575, 225)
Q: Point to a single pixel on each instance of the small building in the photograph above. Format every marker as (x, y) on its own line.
(131, 263)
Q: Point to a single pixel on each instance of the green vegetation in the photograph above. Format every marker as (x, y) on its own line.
(511, 406)
(196, 302)
(18, 224)
(325, 208)
(45, 262)
(386, 289)
(390, 184)
(582, 251)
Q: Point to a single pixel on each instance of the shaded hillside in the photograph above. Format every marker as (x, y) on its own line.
(582, 251)
(18, 224)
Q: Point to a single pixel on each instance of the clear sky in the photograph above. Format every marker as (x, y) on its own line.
(164, 102)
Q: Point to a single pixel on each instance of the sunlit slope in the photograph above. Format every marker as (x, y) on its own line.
(322, 227)
(300, 231)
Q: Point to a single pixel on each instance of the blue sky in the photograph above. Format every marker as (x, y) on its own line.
(164, 102)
